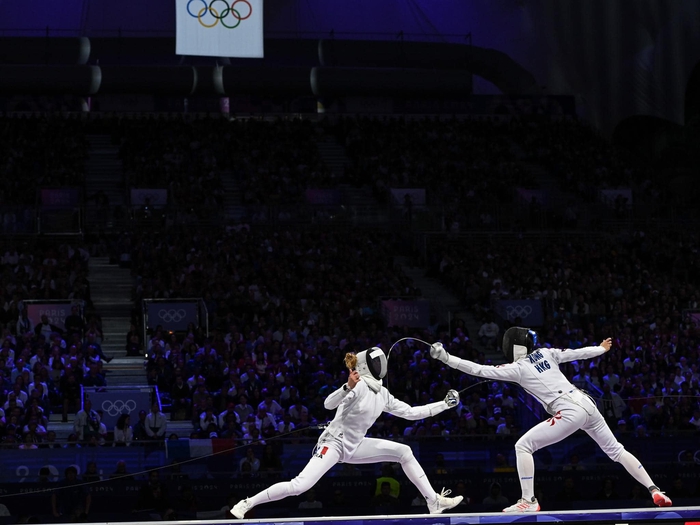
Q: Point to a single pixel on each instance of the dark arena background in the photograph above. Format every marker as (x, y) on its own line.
(191, 243)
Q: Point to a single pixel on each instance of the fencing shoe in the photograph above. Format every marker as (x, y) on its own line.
(239, 509)
(442, 502)
(524, 505)
(661, 499)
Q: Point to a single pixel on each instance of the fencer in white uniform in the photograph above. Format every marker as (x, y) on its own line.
(360, 402)
(536, 370)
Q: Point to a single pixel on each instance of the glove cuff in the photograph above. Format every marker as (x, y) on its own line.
(452, 361)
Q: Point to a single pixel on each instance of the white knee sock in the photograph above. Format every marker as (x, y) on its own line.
(526, 473)
(635, 468)
(416, 474)
(276, 492)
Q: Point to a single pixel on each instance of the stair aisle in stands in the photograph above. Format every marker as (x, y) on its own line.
(104, 172)
(111, 292)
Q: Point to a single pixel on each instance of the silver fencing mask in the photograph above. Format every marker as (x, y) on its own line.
(372, 367)
(518, 342)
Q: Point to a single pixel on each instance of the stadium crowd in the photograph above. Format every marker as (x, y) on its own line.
(459, 162)
(24, 167)
(285, 306)
(638, 288)
(43, 365)
(271, 162)
(284, 309)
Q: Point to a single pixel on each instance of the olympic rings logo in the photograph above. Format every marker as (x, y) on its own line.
(229, 17)
(518, 311)
(172, 315)
(117, 407)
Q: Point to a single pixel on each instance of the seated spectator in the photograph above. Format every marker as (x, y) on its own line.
(75, 322)
(508, 427)
(45, 328)
(501, 464)
(180, 395)
(120, 472)
(153, 496)
(73, 502)
(440, 468)
(388, 476)
(230, 428)
(91, 472)
(385, 502)
(496, 420)
(94, 378)
(200, 400)
(285, 426)
(310, 502)
(123, 433)
(207, 420)
(28, 443)
(495, 501)
(87, 422)
(243, 409)
(50, 441)
(297, 410)
(270, 463)
(139, 429)
(155, 424)
(269, 404)
(488, 332)
(72, 441)
(230, 410)
(250, 462)
(35, 430)
(607, 492)
(93, 347)
(265, 422)
(24, 323)
(574, 463)
(695, 420)
(252, 436)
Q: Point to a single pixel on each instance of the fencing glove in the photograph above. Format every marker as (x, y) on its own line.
(452, 398)
(437, 351)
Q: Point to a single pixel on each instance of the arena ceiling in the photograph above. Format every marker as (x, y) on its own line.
(620, 58)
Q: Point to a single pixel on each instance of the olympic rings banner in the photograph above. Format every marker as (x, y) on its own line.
(117, 402)
(219, 28)
(172, 316)
(528, 310)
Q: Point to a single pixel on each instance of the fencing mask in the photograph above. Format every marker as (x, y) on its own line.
(518, 342)
(372, 367)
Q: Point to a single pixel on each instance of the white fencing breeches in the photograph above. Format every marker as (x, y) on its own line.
(326, 455)
(569, 418)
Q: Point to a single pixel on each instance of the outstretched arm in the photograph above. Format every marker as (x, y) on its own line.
(406, 411)
(507, 372)
(587, 352)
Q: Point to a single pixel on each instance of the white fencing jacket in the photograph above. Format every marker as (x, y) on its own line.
(359, 408)
(538, 373)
